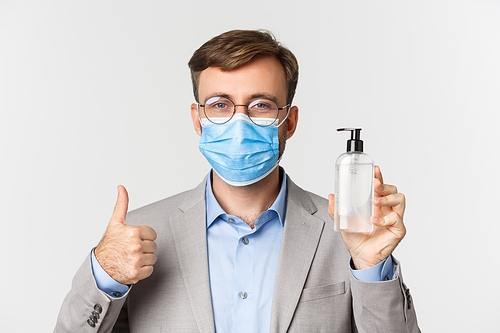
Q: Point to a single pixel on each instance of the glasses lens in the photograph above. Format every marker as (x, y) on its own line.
(219, 109)
(263, 111)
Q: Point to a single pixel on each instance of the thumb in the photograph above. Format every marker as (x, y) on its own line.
(331, 206)
(121, 207)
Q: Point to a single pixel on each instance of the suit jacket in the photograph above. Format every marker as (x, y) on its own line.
(314, 290)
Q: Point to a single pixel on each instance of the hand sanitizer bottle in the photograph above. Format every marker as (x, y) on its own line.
(353, 187)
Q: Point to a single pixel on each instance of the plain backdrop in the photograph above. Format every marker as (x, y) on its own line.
(97, 93)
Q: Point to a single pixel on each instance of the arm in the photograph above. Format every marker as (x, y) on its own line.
(126, 254)
(82, 300)
(383, 306)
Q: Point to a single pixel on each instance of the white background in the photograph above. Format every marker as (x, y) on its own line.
(97, 93)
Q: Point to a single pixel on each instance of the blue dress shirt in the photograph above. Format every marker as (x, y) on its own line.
(242, 265)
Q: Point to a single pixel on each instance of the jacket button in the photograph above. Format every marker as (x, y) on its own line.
(98, 308)
(95, 314)
(90, 322)
(93, 318)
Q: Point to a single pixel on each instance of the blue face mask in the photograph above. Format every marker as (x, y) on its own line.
(241, 152)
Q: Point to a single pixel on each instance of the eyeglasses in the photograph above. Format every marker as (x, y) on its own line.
(262, 112)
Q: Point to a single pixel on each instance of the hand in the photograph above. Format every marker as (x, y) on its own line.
(369, 249)
(126, 252)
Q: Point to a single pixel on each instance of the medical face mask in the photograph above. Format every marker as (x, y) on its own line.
(241, 152)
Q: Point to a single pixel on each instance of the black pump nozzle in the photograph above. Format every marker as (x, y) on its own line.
(355, 144)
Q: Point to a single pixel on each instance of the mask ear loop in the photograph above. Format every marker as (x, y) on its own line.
(286, 117)
(199, 118)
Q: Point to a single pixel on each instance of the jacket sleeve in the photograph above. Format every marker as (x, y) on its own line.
(385, 306)
(88, 309)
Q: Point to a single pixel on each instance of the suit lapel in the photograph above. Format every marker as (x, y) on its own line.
(301, 236)
(189, 233)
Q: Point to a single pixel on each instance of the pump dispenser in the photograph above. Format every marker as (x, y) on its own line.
(353, 187)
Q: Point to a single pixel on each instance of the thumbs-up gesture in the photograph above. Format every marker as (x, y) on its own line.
(126, 253)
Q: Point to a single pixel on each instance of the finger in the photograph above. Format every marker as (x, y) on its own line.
(396, 199)
(121, 207)
(394, 202)
(392, 221)
(378, 174)
(331, 206)
(381, 189)
(149, 246)
(144, 272)
(147, 233)
(148, 259)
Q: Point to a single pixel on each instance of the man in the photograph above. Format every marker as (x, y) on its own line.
(247, 250)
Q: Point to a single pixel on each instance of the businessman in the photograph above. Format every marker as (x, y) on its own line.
(247, 250)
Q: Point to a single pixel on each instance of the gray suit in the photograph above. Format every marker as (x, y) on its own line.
(314, 290)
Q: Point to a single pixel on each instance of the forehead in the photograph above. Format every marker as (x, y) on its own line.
(264, 76)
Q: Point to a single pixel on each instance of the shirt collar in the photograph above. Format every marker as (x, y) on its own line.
(214, 210)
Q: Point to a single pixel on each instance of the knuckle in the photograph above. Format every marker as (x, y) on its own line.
(153, 232)
(148, 271)
(145, 272)
(146, 231)
(135, 247)
(132, 277)
(134, 263)
(134, 232)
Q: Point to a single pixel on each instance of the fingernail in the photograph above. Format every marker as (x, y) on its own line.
(375, 219)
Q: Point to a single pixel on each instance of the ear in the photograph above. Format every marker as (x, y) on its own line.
(195, 118)
(293, 118)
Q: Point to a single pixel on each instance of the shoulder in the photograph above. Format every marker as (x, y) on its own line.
(313, 202)
(170, 206)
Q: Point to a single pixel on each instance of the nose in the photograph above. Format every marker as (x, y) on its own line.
(243, 109)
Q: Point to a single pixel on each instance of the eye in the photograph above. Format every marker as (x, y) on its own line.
(218, 103)
(262, 105)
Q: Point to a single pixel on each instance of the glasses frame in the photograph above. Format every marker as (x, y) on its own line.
(234, 111)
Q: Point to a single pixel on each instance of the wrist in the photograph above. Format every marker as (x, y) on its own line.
(360, 263)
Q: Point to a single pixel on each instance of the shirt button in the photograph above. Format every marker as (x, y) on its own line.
(245, 240)
(117, 294)
(230, 220)
(243, 295)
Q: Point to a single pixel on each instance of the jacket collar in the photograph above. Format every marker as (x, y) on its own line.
(301, 235)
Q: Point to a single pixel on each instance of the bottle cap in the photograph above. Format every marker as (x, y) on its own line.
(355, 143)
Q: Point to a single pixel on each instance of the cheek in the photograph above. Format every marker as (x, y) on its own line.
(282, 138)
(282, 131)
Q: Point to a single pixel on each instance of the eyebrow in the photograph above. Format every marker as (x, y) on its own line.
(252, 97)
